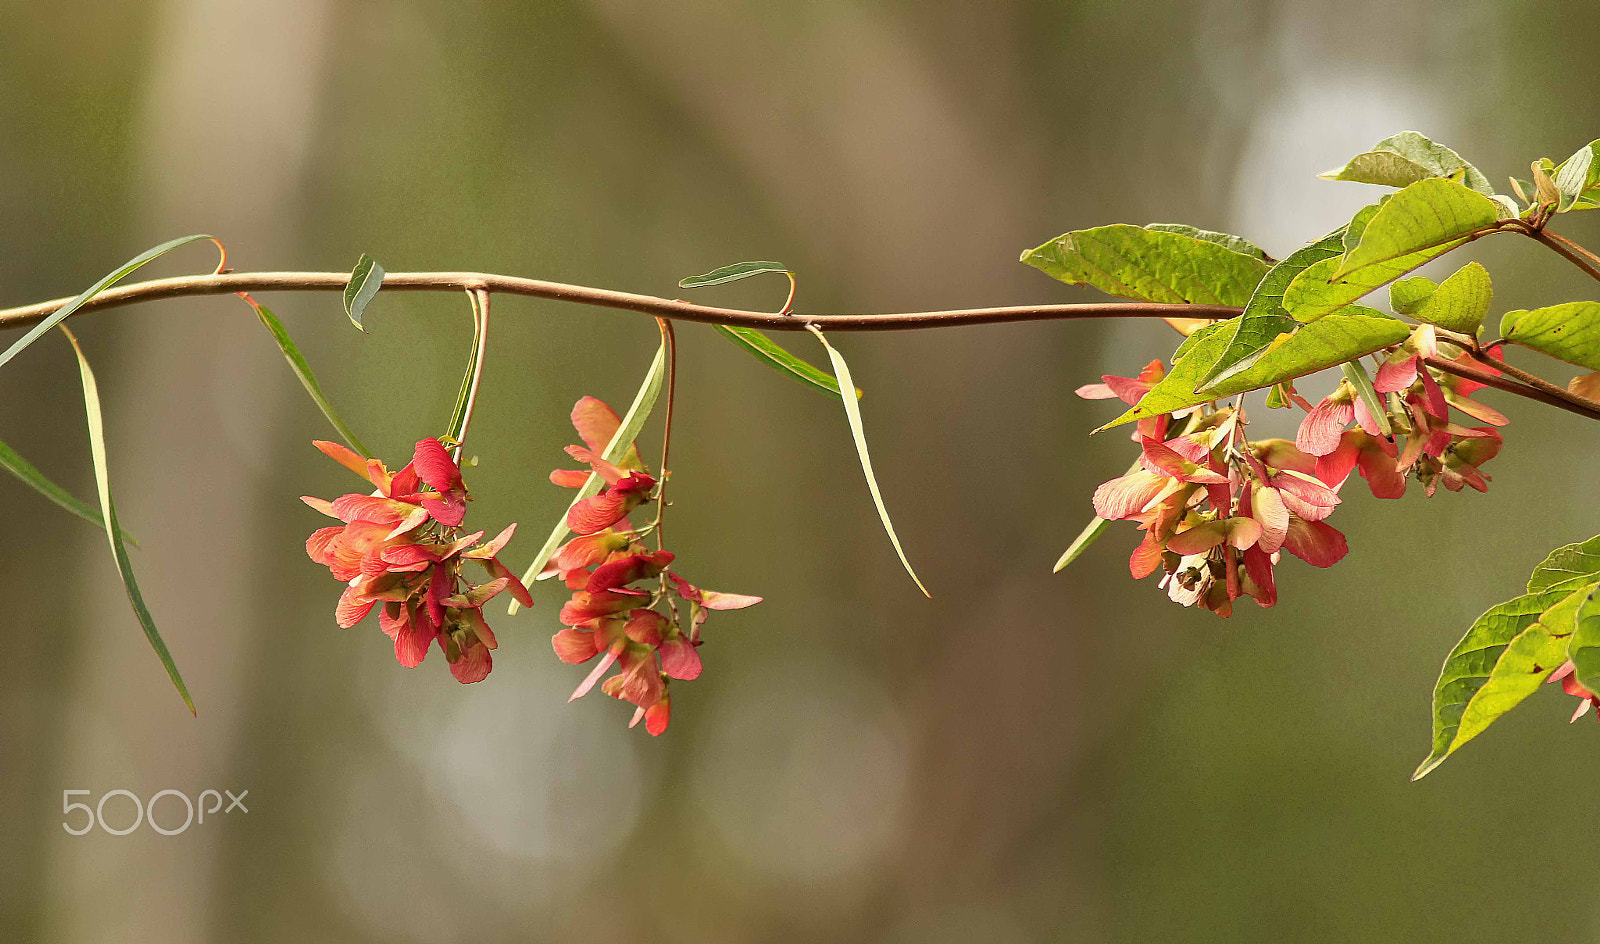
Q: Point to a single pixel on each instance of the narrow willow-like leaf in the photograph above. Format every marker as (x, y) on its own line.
(1568, 565)
(1459, 303)
(1569, 331)
(1090, 534)
(769, 352)
(852, 412)
(1526, 662)
(365, 280)
(102, 477)
(643, 402)
(458, 418)
(302, 372)
(1150, 265)
(1264, 317)
(13, 462)
(111, 278)
(1425, 215)
(1226, 240)
(1326, 342)
(732, 273)
(1407, 158)
(1470, 663)
(1584, 647)
(1357, 375)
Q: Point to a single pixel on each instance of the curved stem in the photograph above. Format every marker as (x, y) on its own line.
(1569, 250)
(1565, 401)
(480, 344)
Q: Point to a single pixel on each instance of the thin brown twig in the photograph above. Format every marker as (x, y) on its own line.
(1565, 401)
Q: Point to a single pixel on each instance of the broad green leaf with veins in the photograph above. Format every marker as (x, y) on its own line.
(1568, 565)
(1584, 647)
(1406, 158)
(1569, 331)
(1470, 664)
(1228, 240)
(1459, 303)
(1424, 216)
(1264, 317)
(1314, 293)
(1150, 265)
(1324, 343)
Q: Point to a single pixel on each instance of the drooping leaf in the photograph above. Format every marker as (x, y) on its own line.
(469, 379)
(1357, 375)
(1584, 647)
(621, 441)
(1527, 661)
(769, 352)
(302, 372)
(1228, 240)
(1150, 265)
(365, 280)
(1577, 179)
(110, 279)
(1406, 158)
(108, 508)
(1569, 331)
(732, 273)
(1468, 666)
(852, 412)
(1425, 215)
(1459, 303)
(1090, 534)
(1567, 566)
(1264, 317)
(1326, 342)
(13, 462)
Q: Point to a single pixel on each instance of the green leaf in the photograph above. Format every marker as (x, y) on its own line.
(1407, 295)
(1090, 534)
(1226, 240)
(1426, 215)
(1527, 661)
(621, 441)
(1569, 331)
(1584, 647)
(1406, 158)
(12, 462)
(1459, 303)
(1469, 665)
(1324, 343)
(365, 280)
(732, 273)
(102, 478)
(1150, 265)
(469, 379)
(768, 352)
(852, 412)
(1357, 375)
(1264, 317)
(1568, 566)
(1577, 177)
(302, 371)
(111, 278)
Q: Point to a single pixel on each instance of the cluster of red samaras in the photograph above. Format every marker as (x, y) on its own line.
(1218, 509)
(401, 546)
(624, 606)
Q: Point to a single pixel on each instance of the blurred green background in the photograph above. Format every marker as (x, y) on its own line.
(1026, 757)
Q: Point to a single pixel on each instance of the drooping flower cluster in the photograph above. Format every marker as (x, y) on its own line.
(1218, 510)
(625, 602)
(401, 546)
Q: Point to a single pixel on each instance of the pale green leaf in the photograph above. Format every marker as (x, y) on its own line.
(1264, 317)
(1569, 331)
(1086, 537)
(13, 462)
(110, 279)
(1471, 662)
(1150, 265)
(1324, 343)
(1459, 303)
(1357, 375)
(1406, 295)
(732, 273)
(1425, 215)
(1577, 177)
(1227, 240)
(1407, 158)
(769, 352)
(108, 508)
(632, 422)
(1584, 647)
(365, 280)
(302, 371)
(1568, 565)
(1315, 293)
(469, 378)
(852, 412)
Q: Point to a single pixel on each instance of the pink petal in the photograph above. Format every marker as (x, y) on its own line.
(1126, 496)
(343, 455)
(595, 422)
(434, 466)
(1315, 542)
(1395, 376)
(1320, 430)
(716, 600)
(680, 659)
